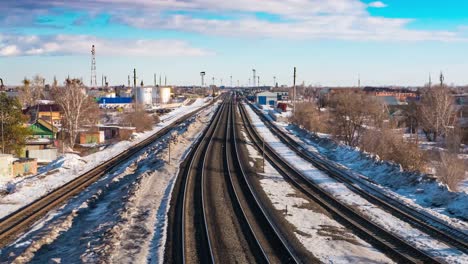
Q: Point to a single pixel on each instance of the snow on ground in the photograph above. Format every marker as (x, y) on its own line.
(416, 190)
(325, 238)
(121, 217)
(141, 234)
(22, 191)
(341, 192)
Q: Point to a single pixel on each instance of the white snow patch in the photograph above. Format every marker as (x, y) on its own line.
(66, 168)
(340, 191)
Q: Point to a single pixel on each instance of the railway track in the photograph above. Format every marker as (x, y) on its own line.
(197, 233)
(420, 220)
(19, 221)
(389, 243)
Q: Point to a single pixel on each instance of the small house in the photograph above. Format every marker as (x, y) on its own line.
(47, 112)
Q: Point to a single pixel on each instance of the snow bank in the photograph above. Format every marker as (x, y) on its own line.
(413, 188)
(22, 191)
(341, 192)
(320, 234)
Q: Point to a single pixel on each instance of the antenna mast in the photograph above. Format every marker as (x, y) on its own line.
(93, 67)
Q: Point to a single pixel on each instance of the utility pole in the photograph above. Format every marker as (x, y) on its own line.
(231, 80)
(274, 81)
(213, 79)
(254, 78)
(165, 80)
(155, 80)
(202, 74)
(258, 83)
(294, 91)
(442, 78)
(134, 87)
(128, 80)
(160, 80)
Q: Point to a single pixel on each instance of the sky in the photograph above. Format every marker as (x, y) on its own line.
(331, 42)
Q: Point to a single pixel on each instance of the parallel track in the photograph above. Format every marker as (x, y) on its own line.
(19, 221)
(390, 244)
(283, 252)
(189, 217)
(420, 220)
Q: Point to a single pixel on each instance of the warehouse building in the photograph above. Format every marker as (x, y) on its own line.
(266, 98)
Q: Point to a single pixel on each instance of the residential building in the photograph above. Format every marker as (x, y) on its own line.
(47, 112)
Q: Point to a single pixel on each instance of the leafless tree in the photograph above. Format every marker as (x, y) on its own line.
(31, 91)
(78, 108)
(139, 119)
(388, 143)
(437, 111)
(308, 116)
(451, 170)
(351, 112)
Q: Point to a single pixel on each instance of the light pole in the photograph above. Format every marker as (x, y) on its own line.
(274, 81)
(202, 74)
(254, 78)
(294, 91)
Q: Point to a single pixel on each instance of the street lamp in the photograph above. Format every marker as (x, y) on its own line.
(202, 74)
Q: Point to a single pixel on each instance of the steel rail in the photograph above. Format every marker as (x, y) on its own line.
(394, 246)
(422, 221)
(17, 222)
(282, 248)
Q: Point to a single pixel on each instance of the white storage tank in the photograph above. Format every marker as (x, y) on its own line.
(165, 94)
(144, 95)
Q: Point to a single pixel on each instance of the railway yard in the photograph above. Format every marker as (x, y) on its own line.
(224, 183)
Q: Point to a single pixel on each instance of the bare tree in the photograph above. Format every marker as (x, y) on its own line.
(308, 116)
(78, 108)
(451, 170)
(437, 111)
(351, 112)
(31, 91)
(389, 144)
(139, 119)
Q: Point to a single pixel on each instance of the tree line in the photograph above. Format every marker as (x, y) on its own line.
(363, 121)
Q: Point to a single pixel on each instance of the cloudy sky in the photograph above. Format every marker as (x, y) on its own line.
(331, 42)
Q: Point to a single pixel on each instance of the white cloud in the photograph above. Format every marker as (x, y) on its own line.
(306, 19)
(9, 50)
(377, 4)
(18, 45)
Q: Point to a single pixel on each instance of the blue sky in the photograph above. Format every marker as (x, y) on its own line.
(392, 42)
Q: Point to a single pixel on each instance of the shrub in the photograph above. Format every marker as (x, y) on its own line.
(450, 170)
(390, 145)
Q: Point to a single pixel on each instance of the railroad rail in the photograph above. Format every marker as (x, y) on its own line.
(188, 224)
(423, 221)
(389, 243)
(284, 253)
(17, 222)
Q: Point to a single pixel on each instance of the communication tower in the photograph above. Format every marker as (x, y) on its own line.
(93, 67)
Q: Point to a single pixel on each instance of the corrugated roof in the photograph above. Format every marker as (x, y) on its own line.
(115, 100)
